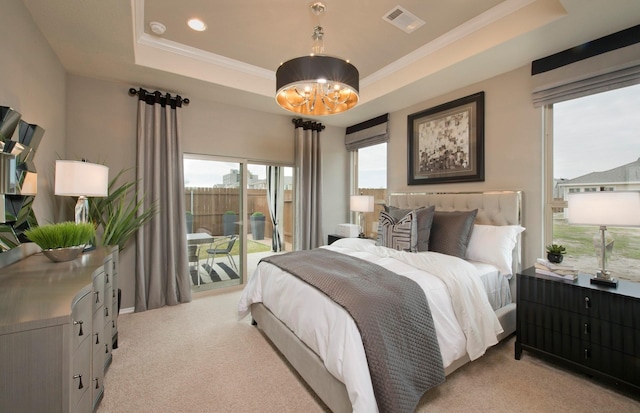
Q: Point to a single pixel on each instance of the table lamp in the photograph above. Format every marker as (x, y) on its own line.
(604, 208)
(361, 204)
(81, 179)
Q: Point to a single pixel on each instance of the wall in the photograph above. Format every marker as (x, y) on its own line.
(513, 149)
(32, 81)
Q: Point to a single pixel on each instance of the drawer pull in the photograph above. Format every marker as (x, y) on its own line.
(586, 353)
(97, 338)
(106, 278)
(586, 328)
(587, 302)
(79, 376)
(97, 296)
(106, 311)
(97, 385)
(80, 324)
(106, 349)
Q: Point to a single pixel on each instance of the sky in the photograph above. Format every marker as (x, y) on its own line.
(199, 173)
(596, 133)
(591, 134)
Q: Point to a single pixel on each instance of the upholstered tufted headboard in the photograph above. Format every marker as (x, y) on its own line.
(494, 208)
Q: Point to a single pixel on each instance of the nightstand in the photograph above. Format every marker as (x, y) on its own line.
(331, 238)
(591, 328)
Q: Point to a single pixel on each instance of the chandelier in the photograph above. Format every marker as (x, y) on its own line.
(317, 84)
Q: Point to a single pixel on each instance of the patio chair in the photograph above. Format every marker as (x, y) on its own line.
(192, 254)
(222, 246)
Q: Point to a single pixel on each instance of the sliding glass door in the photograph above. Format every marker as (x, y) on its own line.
(237, 213)
(214, 203)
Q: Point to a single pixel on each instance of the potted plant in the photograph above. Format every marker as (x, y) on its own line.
(119, 215)
(555, 253)
(229, 220)
(63, 241)
(257, 225)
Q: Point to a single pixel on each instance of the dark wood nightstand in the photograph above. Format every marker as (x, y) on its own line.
(588, 327)
(331, 238)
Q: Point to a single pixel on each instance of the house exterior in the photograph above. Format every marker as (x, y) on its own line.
(622, 178)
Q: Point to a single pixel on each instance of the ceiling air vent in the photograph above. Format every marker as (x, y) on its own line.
(403, 19)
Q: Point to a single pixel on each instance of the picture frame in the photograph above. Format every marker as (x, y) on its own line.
(446, 142)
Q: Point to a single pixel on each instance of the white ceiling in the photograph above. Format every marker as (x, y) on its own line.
(234, 61)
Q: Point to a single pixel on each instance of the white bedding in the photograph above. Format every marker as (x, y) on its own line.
(332, 334)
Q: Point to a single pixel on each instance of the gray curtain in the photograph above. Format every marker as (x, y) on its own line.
(162, 267)
(275, 194)
(308, 185)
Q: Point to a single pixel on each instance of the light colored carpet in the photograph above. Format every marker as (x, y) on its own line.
(198, 357)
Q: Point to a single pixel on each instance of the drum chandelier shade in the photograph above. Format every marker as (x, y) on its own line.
(317, 85)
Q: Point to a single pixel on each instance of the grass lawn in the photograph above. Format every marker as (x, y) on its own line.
(252, 247)
(579, 239)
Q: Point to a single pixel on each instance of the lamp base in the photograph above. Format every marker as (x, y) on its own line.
(607, 282)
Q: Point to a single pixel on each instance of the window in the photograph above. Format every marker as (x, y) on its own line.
(596, 147)
(370, 178)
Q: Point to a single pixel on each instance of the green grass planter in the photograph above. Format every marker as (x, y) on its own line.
(63, 241)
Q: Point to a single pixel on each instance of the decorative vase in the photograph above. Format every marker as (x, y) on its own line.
(63, 254)
(555, 258)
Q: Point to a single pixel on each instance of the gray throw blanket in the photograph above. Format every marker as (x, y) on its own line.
(393, 317)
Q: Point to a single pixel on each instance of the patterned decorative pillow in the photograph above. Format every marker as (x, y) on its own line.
(425, 219)
(451, 231)
(399, 234)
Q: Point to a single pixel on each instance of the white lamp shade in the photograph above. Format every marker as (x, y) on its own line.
(77, 178)
(361, 203)
(605, 208)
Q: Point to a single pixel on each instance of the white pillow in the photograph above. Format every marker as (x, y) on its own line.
(493, 244)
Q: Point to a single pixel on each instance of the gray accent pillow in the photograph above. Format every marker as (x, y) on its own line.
(451, 231)
(425, 218)
(398, 234)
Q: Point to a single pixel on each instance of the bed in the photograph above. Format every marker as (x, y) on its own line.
(339, 375)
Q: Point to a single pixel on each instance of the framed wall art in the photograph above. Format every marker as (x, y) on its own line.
(446, 142)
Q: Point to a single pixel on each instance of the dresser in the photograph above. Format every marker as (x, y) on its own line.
(591, 328)
(58, 324)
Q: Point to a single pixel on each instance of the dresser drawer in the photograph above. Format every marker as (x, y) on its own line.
(594, 330)
(600, 304)
(80, 375)
(82, 319)
(98, 291)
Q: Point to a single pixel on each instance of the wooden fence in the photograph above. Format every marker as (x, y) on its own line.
(208, 205)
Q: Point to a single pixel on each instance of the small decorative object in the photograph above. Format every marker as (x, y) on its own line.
(555, 253)
(63, 241)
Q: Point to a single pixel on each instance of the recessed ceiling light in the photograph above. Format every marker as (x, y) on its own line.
(197, 25)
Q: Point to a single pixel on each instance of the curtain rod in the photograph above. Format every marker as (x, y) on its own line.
(134, 92)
